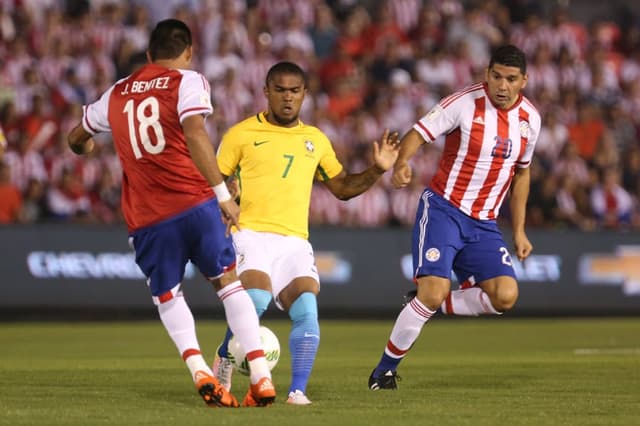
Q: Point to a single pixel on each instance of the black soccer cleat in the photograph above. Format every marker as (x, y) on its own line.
(409, 297)
(387, 381)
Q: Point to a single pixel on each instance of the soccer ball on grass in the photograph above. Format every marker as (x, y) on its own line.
(270, 344)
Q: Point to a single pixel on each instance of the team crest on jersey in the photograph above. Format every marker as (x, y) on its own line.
(433, 114)
(432, 255)
(205, 100)
(525, 130)
(309, 145)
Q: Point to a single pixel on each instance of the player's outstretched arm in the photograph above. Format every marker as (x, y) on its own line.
(385, 153)
(80, 141)
(518, 206)
(204, 158)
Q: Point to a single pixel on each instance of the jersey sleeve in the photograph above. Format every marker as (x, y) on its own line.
(531, 132)
(229, 152)
(437, 122)
(194, 95)
(95, 118)
(329, 166)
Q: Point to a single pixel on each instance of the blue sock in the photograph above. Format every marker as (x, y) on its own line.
(261, 299)
(303, 340)
(386, 363)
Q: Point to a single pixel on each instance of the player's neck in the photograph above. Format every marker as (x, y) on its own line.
(271, 119)
(171, 63)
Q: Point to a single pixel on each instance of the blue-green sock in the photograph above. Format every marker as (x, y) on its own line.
(303, 340)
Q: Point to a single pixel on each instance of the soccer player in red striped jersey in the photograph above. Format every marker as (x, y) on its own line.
(490, 133)
(172, 198)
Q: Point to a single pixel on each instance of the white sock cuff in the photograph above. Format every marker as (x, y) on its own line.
(196, 364)
(486, 304)
(230, 289)
(420, 309)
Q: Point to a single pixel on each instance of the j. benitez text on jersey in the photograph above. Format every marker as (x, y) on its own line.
(145, 86)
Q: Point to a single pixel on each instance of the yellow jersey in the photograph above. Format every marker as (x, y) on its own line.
(275, 167)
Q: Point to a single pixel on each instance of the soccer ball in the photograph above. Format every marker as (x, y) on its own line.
(270, 344)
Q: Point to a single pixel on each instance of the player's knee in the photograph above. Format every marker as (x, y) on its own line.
(261, 299)
(505, 296)
(432, 301)
(305, 307)
(432, 291)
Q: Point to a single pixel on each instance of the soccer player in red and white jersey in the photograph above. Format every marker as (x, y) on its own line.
(490, 132)
(172, 198)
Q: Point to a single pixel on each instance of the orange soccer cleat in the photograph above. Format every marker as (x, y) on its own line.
(213, 393)
(261, 394)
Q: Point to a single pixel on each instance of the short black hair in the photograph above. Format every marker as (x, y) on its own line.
(510, 56)
(169, 39)
(285, 68)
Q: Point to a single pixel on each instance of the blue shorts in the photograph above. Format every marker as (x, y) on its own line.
(198, 234)
(445, 239)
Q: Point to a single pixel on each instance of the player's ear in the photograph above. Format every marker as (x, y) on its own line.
(525, 78)
(188, 54)
(149, 57)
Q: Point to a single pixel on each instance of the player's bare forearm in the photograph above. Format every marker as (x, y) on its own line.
(204, 158)
(519, 196)
(201, 150)
(80, 141)
(518, 206)
(346, 186)
(409, 145)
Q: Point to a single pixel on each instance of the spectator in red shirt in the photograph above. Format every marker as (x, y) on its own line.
(587, 131)
(11, 204)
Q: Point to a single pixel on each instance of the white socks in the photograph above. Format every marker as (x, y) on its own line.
(244, 323)
(179, 323)
(470, 302)
(407, 328)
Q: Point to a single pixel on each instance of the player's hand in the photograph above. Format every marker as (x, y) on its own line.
(385, 153)
(82, 147)
(230, 214)
(401, 175)
(234, 188)
(522, 245)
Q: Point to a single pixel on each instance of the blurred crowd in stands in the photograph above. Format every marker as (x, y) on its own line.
(371, 64)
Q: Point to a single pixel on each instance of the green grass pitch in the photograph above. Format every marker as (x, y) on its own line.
(579, 371)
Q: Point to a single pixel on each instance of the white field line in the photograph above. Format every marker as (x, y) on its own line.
(606, 351)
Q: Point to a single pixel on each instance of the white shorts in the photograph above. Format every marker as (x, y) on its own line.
(282, 257)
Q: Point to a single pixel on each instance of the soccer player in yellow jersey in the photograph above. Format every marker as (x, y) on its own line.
(275, 158)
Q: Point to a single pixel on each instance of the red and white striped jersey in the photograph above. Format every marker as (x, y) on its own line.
(483, 145)
(144, 112)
